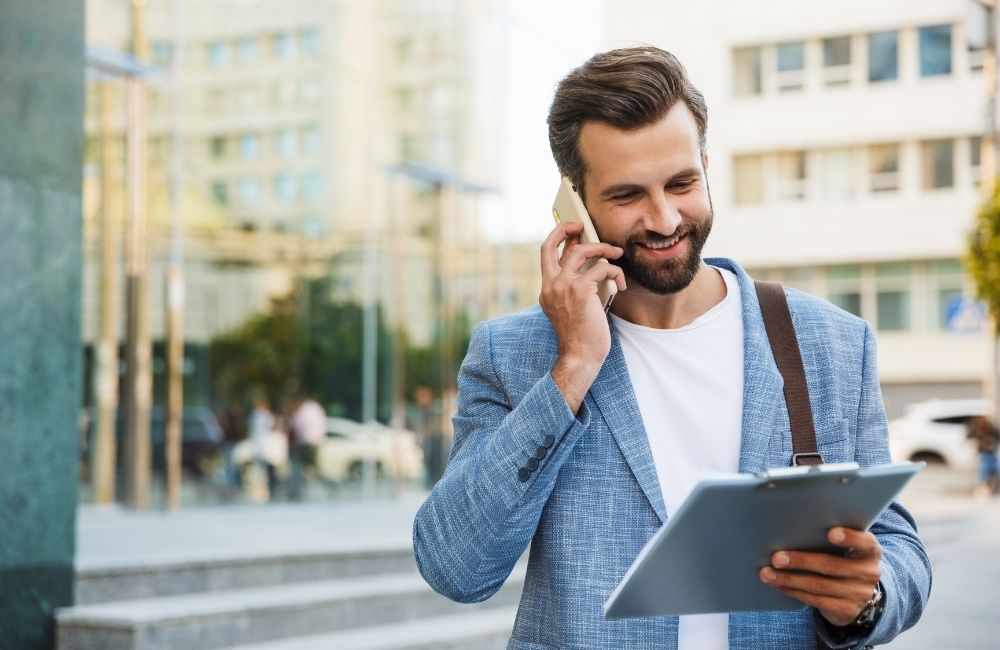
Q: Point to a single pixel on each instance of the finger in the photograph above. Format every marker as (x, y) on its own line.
(856, 591)
(550, 247)
(576, 257)
(838, 612)
(860, 543)
(828, 564)
(603, 270)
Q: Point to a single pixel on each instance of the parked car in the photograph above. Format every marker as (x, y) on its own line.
(937, 432)
(201, 439)
(393, 452)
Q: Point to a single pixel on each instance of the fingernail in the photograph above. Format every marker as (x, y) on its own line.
(780, 559)
(768, 574)
(837, 535)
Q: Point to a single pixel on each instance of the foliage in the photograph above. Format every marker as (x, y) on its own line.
(307, 343)
(982, 258)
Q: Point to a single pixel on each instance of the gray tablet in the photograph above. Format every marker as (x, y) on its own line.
(706, 558)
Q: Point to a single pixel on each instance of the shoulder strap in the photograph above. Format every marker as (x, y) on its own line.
(785, 347)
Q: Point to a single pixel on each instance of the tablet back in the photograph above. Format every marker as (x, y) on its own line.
(706, 558)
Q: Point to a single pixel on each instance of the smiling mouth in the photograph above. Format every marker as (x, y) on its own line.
(664, 244)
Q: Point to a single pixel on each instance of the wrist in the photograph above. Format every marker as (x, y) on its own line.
(573, 375)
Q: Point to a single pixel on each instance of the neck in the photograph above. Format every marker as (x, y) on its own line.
(643, 307)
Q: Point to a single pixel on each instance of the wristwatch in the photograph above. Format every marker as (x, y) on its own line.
(869, 616)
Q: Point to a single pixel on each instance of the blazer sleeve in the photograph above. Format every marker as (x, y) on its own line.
(480, 517)
(906, 569)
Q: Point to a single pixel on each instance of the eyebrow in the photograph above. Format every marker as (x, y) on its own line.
(688, 174)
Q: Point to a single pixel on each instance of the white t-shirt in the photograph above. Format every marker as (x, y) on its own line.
(689, 386)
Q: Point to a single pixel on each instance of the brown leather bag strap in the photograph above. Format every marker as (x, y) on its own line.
(785, 347)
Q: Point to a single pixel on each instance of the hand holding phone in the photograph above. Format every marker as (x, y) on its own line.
(568, 206)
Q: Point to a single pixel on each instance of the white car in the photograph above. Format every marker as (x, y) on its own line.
(392, 452)
(937, 432)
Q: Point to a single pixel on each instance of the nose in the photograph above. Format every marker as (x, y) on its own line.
(662, 216)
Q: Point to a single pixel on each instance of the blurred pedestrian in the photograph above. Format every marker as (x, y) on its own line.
(987, 439)
(232, 419)
(308, 429)
(261, 431)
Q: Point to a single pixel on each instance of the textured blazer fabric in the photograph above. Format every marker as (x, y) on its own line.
(590, 499)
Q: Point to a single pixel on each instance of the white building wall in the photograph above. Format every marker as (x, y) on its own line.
(799, 241)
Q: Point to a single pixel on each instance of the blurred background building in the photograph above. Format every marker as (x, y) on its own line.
(843, 144)
(313, 134)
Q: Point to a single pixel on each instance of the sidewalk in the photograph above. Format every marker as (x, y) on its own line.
(114, 536)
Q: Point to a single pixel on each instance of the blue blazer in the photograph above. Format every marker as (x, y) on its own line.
(594, 500)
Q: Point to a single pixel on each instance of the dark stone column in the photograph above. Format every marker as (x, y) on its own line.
(41, 143)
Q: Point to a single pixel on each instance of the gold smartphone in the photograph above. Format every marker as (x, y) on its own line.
(568, 206)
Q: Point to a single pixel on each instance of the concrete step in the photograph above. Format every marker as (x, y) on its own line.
(229, 618)
(152, 579)
(484, 629)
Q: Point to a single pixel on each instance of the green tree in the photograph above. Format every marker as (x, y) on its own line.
(983, 263)
(983, 256)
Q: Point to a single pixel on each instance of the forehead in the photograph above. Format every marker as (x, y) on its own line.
(663, 147)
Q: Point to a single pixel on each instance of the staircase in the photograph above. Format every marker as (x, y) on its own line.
(371, 599)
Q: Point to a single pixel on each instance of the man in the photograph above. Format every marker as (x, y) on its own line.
(579, 433)
(308, 429)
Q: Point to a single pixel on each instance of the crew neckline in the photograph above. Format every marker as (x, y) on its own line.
(710, 316)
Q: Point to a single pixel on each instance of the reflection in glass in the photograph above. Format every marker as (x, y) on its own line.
(747, 71)
(938, 163)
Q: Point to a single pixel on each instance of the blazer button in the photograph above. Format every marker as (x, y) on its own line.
(548, 441)
(532, 464)
(540, 453)
(523, 474)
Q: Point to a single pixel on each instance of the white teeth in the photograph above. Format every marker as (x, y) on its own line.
(664, 244)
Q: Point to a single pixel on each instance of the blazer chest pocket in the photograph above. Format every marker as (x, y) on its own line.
(833, 438)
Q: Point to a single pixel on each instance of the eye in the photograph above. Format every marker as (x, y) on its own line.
(624, 197)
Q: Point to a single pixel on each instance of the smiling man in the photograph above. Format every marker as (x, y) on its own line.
(579, 432)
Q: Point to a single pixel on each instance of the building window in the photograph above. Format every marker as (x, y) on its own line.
(747, 78)
(946, 296)
(215, 100)
(217, 145)
(748, 180)
(220, 192)
(282, 46)
(883, 56)
(249, 146)
(791, 66)
(844, 285)
(835, 174)
(938, 164)
(975, 151)
(312, 140)
(247, 49)
(893, 296)
(837, 61)
(792, 175)
(883, 167)
(976, 58)
(309, 42)
(893, 311)
(247, 98)
(249, 191)
(935, 50)
(312, 226)
(286, 141)
(312, 185)
(285, 187)
(219, 54)
(162, 52)
(309, 91)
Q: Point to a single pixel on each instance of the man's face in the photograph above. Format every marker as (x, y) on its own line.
(646, 191)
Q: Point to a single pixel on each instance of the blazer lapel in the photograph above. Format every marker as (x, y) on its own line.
(612, 392)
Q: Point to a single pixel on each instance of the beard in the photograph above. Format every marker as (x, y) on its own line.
(665, 276)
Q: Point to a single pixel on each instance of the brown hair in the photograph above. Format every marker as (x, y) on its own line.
(627, 88)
